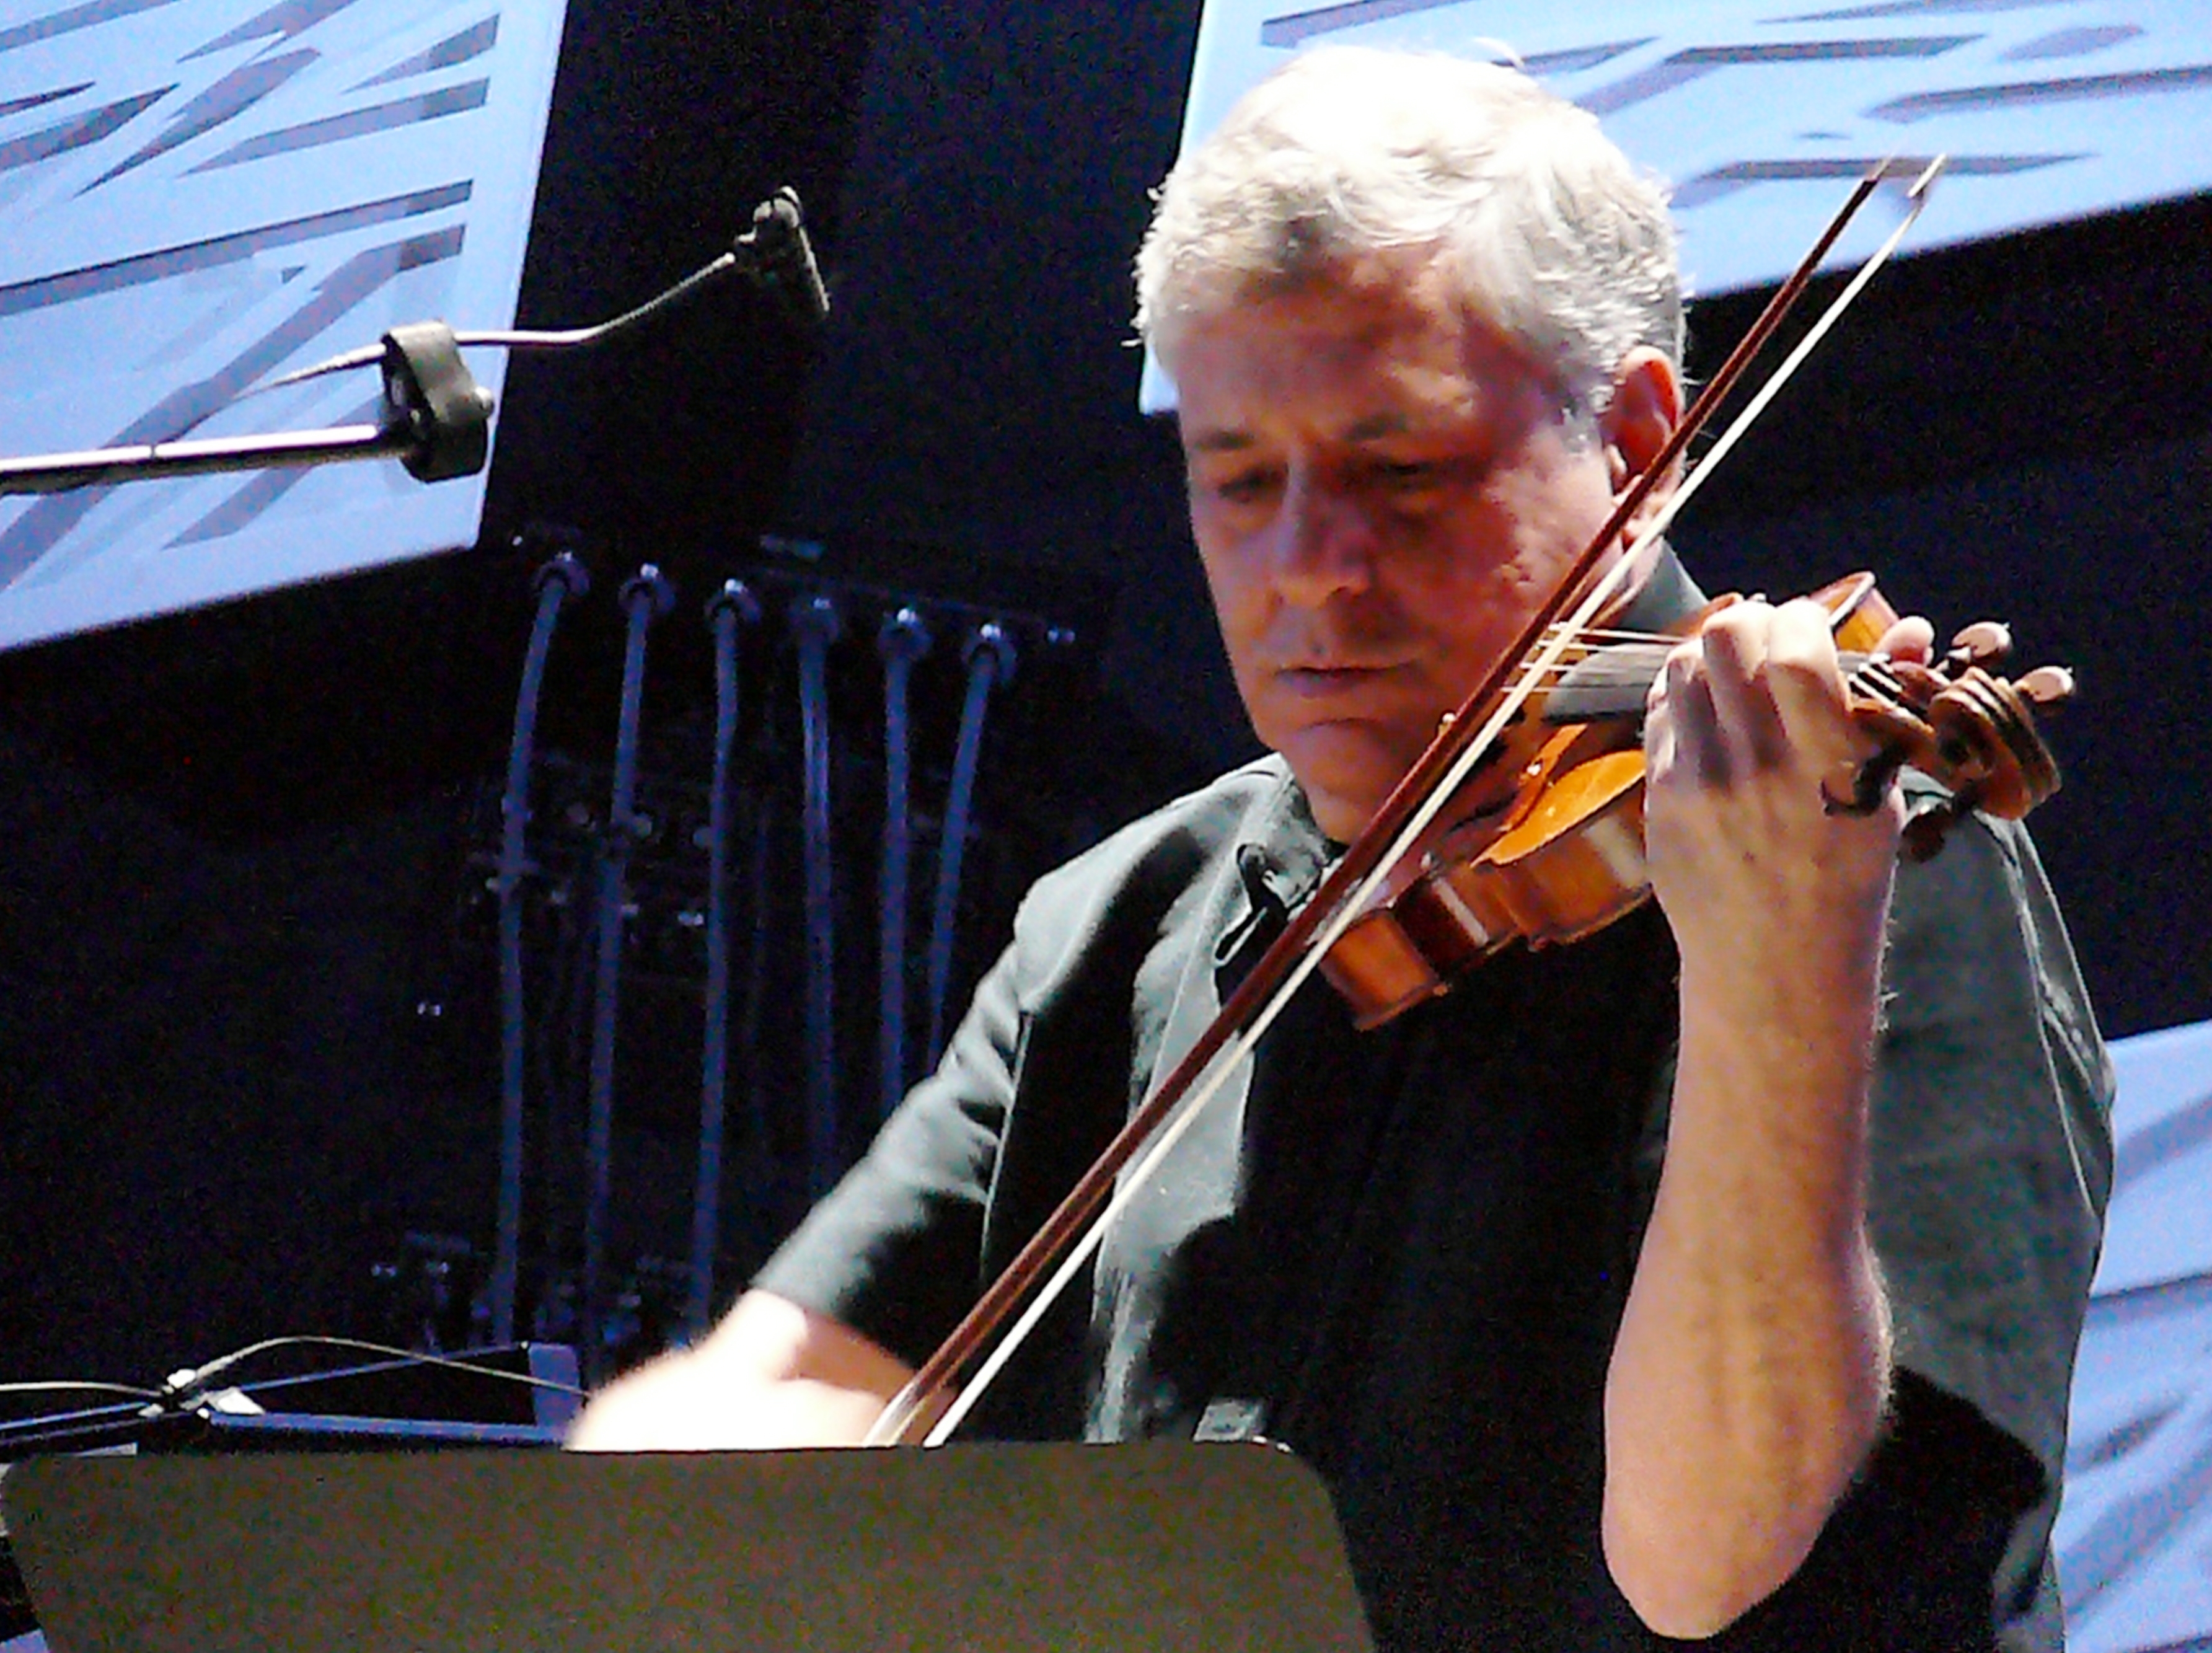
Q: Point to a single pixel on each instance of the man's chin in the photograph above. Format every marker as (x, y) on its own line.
(1345, 778)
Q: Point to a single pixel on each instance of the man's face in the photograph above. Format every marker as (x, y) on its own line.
(1383, 489)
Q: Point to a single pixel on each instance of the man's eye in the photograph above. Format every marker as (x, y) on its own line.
(1245, 487)
(1407, 476)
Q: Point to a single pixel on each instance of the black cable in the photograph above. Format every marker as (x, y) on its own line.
(565, 1059)
(184, 1390)
(194, 1379)
(733, 606)
(815, 622)
(561, 578)
(760, 956)
(989, 656)
(774, 253)
(903, 641)
(45, 1386)
(644, 596)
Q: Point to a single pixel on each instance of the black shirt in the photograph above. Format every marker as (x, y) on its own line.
(1404, 1253)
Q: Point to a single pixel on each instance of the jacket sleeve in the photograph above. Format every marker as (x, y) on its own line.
(892, 1252)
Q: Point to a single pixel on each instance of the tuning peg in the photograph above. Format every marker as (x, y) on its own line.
(1981, 644)
(1929, 829)
(2046, 685)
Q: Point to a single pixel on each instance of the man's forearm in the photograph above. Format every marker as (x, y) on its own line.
(1747, 1382)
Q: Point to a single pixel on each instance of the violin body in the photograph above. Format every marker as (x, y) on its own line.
(1559, 855)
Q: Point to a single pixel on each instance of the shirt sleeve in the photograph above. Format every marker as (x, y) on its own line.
(893, 1251)
(1991, 1159)
(1991, 1146)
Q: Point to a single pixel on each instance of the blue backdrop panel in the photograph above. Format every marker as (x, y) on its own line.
(1760, 115)
(2134, 1537)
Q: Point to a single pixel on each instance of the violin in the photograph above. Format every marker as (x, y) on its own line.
(1545, 845)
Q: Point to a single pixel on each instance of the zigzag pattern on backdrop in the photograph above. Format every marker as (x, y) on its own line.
(1965, 58)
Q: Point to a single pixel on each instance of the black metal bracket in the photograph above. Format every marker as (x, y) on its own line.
(430, 392)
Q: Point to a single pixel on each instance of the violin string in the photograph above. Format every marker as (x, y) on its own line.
(1618, 636)
(1879, 684)
(1593, 671)
(1887, 692)
(1591, 667)
(1587, 675)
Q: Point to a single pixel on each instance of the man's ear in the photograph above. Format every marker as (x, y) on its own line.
(1646, 406)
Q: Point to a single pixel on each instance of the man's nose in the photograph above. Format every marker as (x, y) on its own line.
(1325, 546)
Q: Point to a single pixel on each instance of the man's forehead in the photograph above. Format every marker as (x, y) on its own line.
(1351, 355)
(1218, 437)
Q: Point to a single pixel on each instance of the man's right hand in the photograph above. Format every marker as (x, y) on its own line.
(772, 1374)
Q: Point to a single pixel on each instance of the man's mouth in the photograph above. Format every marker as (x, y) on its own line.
(1322, 680)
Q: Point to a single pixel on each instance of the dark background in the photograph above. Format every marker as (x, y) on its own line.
(246, 1047)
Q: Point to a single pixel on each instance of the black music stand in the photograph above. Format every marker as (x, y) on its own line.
(1217, 1548)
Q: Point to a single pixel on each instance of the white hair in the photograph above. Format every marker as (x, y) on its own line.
(1541, 222)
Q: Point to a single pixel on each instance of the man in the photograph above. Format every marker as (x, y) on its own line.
(1663, 1283)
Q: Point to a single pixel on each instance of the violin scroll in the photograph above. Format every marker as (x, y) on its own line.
(1962, 724)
